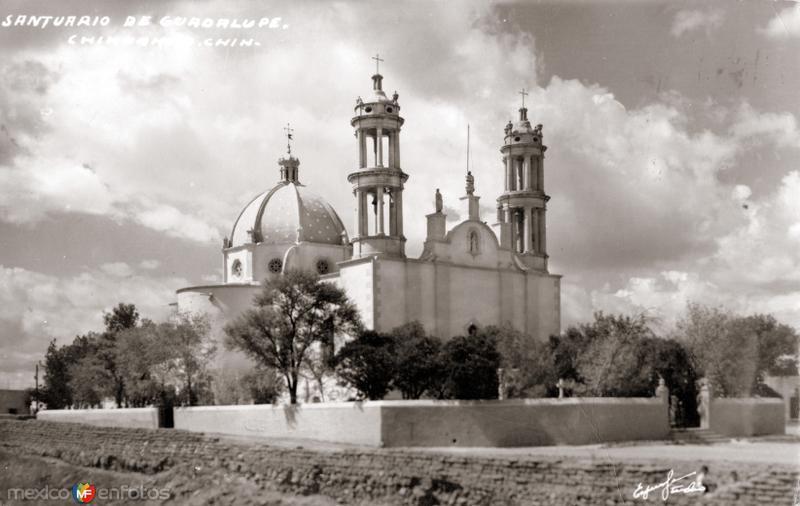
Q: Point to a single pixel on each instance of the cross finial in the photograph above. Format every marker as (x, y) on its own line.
(288, 129)
(524, 94)
(378, 61)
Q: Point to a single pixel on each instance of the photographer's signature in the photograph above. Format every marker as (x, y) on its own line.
(670, 486)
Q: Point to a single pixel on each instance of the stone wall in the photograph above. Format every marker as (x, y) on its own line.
(145, 418)
(190, 462)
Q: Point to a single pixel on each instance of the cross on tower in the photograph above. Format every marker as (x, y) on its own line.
(288, 129)
(378, 61)
(524, 94)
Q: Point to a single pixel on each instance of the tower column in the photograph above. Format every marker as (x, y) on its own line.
(509, 173)
(537, 236)
(379, 144)
(390, 154)
(528, 230)
(364, 221)
(392, 214)
(357, 214)
(540, 173)
(531, 172)
(361, 150)
(398, 211)
(379, 223)
(526, 179)
(397, 149)
(542, 232)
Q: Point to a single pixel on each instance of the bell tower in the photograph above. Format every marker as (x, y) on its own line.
(522, 206)
(378, 180)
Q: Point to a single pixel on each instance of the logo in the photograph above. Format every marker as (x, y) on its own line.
(83, 493)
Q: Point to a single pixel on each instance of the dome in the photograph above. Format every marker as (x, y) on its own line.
(288, 213)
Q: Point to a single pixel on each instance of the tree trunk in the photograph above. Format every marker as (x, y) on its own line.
(292, 384)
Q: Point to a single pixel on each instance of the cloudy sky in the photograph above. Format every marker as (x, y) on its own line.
(672, 133)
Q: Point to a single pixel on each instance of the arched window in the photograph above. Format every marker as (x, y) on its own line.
(473, 242)
(236, 268)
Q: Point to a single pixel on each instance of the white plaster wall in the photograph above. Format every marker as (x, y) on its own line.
(356, 277)
(342, 422)
(142, 418)
(220, 304)
(747, 417)
(446, 298)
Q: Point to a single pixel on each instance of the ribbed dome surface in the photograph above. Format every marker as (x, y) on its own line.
(288, 213)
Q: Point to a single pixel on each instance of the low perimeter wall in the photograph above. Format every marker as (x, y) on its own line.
(139, 418)
(345, 422)
(747, 417)
(441, 423)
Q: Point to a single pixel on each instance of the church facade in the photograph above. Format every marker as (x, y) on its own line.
(468, 276)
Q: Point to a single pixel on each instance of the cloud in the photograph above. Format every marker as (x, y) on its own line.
(754, 268)
(785, 24)
(37, 307)
(149, 264)
(686, 21)
(118, 269)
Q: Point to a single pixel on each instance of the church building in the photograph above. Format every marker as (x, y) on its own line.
(468, 276)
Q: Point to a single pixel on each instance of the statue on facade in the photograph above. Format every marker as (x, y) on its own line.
(395, 96)
(470, 183)
(439, 203)
(509, 126)
(538, 129)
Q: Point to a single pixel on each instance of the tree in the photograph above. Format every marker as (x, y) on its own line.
(190, 351)
(89, 382)
(263, 385)
(613, 362)
(567, 349)
(124, 316)
(140, 355)
(776, 342)
(156, 359)
(292, 312)
(470, 366)
(121, 318)
(56, 393)
(367, 363)
(721, 350)
(418, 367)
(59, 367)
(527, 363)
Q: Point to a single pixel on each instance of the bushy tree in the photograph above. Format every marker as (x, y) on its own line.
(776, 343)
(121, 318)
(89, 382)
(527, 363)
(264, 385)
(469, 367)
(143, 365)
(567, 349)
(613, 362)
(368, 364)
(55, 391)
(59, 366)
(722, 351)
(418, 368)
(292, 312)
(168, 357)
